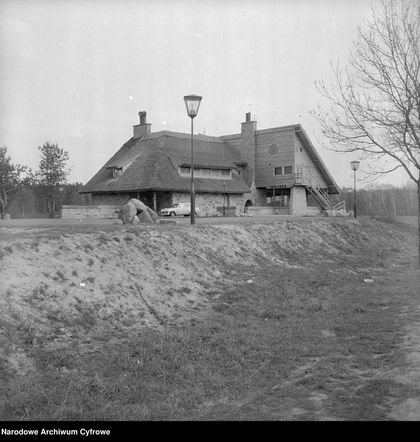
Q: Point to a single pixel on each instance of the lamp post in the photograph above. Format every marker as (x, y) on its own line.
(354, 165)
(224, 198)
(192, 102)
(349, 192)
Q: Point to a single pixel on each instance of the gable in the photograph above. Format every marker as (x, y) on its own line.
(304, 159)
(316, 160)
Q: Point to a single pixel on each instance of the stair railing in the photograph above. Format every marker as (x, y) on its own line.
(316, 189)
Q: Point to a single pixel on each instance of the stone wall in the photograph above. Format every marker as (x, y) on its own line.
(267, 210)
(80, 212)
(209, 202)
(104, 206)
(260, 197)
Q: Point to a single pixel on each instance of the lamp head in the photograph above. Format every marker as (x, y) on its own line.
(192, 103)
(355, 165)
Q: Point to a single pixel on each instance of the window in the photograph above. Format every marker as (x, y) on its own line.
(117, 171)
(278, 197)
(283, 170)
(206, 172)
(273, 149)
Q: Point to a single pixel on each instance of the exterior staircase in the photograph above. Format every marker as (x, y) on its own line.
(321, 195)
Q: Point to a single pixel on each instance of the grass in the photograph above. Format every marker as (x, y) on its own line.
(307, 343)
(254, 340)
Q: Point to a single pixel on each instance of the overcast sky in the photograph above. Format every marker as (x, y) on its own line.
(78, 72)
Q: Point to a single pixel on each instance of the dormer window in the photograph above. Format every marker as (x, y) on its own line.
(206, 172)
(116, 171)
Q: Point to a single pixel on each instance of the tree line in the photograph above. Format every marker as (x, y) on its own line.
(27, 193)
(30, 202)
(382, 201)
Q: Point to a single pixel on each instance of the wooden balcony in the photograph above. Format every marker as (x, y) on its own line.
(301, 179)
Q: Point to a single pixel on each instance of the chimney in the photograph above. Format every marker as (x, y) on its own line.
(142, 129)
(248, 129)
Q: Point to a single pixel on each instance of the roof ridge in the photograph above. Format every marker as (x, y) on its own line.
(183, 135)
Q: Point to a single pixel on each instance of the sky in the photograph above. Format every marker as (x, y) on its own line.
(77, 72)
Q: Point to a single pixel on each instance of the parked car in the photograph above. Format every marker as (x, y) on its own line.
(179, 209)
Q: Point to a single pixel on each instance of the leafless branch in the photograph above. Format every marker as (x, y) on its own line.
(375, 100)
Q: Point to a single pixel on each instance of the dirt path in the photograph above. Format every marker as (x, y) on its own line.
(408, 407)
(378, 381)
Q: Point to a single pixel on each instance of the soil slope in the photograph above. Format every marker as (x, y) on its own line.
(62, 288)
(127, 279)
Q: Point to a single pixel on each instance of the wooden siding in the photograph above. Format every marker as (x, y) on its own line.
(302, 158)
(279, 147)
(274, 149)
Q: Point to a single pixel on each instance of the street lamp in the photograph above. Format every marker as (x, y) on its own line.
(354, 165)
(192, 102)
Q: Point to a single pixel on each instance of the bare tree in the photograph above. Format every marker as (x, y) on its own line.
(375, 100)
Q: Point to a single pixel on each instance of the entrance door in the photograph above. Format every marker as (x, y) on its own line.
(247, 204)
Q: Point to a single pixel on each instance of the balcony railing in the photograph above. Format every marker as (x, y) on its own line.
(300, 178)
(318, 190)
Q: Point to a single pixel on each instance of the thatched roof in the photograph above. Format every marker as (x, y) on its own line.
(151, 163)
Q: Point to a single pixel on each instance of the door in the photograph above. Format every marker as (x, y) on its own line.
(299, 175)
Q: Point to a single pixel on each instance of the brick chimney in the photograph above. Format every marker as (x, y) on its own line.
(143, 128)
(248, 129)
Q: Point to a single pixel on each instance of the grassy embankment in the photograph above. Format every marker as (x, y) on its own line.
(225, 322)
